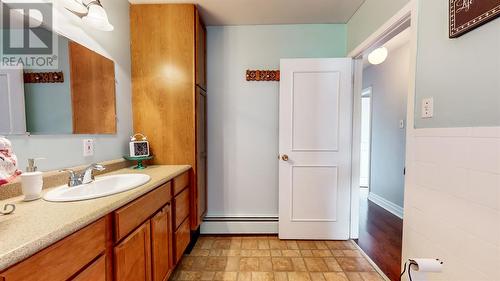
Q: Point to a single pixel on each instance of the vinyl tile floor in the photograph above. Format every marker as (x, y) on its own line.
(266, 258)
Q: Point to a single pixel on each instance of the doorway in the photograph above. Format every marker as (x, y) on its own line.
(366, 119)
(383, 108)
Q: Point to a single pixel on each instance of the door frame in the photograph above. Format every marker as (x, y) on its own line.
(408, 14)
(368, 89)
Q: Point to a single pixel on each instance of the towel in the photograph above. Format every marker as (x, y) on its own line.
(8, 162)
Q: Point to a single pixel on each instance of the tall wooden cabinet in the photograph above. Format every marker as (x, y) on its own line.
(169, 90)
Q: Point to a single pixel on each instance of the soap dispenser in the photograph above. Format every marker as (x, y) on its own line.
(32, 181)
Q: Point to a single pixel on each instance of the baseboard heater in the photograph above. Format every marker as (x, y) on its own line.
(240, 225)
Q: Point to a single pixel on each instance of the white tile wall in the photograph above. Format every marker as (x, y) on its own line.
(452, 201)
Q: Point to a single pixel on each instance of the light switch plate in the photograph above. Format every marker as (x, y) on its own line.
(88, 147)
(427, 107)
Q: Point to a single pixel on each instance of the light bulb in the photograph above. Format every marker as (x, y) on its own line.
(378, 55)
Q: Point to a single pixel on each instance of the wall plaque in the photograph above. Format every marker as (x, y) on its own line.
(465, 15)
(43, 77)
(263, 75)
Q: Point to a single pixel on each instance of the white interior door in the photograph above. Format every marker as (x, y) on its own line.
(315, 132)
(12, 112)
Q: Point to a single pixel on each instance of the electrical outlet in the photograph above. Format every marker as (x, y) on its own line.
(88, 147)
(427, 107)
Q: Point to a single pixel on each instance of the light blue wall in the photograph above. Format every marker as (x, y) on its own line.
(243, 116)
(462, 74)
(67, 150)
(389, 82)
(48, 105)
(369, 17)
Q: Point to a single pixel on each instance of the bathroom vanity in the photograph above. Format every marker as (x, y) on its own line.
(139, 234)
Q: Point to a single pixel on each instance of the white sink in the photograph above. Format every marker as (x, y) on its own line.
(101, 187)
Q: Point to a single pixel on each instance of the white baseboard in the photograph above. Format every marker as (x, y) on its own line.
(240, 225)
(386, 204)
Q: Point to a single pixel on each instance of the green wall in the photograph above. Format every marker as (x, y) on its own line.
(243, 116)
(369, 17)
(462, 74)
(48, 105)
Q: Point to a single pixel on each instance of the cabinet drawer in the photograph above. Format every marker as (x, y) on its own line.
(181, 205)
(181, 182)
(63, 259)
(135, 213)
(182, 238)
(94, 272)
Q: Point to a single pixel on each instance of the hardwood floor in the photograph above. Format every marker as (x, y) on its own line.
(380, 236)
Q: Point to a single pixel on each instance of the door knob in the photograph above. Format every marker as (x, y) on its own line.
(284, 157)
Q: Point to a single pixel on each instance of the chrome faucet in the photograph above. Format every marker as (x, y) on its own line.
(76, 179)
(88, 175)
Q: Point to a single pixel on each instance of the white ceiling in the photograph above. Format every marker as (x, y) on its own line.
(246, 12)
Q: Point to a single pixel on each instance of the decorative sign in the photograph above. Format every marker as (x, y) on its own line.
(43, 77)
(465, 15)
(263, 75)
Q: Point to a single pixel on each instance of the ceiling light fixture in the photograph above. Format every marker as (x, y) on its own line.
(91, 12)
(378, 55)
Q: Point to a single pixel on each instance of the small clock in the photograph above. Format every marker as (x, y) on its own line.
(139, 148)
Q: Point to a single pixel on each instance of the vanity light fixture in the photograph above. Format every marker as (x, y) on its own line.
(91, 12)
(378, 55)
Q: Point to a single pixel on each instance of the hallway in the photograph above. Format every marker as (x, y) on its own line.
(380, 236)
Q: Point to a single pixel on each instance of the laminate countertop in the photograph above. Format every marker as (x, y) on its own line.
(38, 224)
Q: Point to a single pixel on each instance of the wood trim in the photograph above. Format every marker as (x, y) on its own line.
(263, 75)
(43, 77)
(135, 213)
(63, 259)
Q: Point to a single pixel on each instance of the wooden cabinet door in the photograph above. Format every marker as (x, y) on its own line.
(94, 272)
(201, 53)
(133, 256)
(182, 237)
(63, 259)
(162, 243)
(201, 149)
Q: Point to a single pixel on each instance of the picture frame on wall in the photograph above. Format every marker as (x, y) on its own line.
(466, 15)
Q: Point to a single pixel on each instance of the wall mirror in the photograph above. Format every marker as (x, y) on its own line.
(76, 98)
